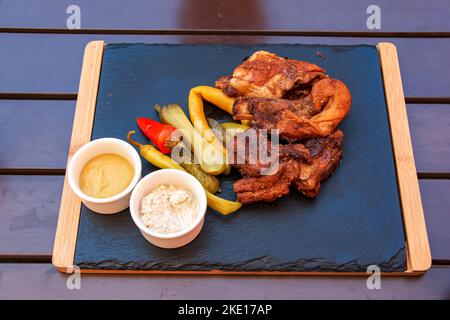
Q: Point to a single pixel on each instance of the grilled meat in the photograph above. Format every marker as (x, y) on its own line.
(314, 115)
(265, 113)
(295, 97)
(223, 84)
(303, 173)
(267, 75)
(326, 156)
(261, 157)
(300, 103)
(266, 188)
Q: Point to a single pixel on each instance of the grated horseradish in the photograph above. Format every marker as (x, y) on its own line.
(168, 209)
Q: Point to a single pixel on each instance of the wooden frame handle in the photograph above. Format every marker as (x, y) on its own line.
(418, 248)
(69, 212)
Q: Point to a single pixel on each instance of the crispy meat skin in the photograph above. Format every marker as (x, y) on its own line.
(325, 156)
(267, 75)
(314, 115)
(223, 83)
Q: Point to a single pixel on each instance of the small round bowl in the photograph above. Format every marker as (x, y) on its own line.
(182, 180)
(94, 148)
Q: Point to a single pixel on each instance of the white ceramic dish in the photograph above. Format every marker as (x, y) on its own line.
(94, 148)
(182, 180)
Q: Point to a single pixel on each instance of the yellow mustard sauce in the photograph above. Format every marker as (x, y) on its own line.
(106, 175)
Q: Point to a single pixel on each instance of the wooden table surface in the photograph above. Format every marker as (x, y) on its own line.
(40, 63)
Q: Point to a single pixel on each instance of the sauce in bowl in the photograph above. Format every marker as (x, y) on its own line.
(106, 175)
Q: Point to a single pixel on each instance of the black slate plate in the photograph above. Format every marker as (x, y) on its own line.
(355, 222)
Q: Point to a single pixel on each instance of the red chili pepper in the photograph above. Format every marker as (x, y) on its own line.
(157, 132)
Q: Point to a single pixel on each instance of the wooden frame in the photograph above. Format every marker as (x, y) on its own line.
(69, 212)
(417, 246)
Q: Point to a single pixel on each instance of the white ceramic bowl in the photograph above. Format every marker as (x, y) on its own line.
(94, 148)
(182, 180)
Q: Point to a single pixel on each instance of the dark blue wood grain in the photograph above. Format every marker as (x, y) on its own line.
(355, 222)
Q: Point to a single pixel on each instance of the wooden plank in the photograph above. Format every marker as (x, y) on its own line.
(35, 134)
(419, 254)
(284, 15)
(28, 213)
(51, 63)
(430, 127)
(42, 281)
(66, 231)
(436, 205)
(29, 209)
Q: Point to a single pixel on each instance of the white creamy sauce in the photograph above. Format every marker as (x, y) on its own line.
(168, 209)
